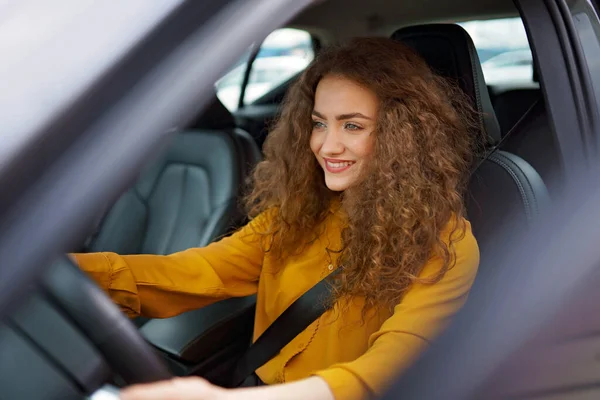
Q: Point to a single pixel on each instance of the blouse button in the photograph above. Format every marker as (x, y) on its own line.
(330, 267)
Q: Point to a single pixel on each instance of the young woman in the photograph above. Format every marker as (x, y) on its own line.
(364, 172)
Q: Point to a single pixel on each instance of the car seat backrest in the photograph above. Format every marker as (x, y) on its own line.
(532, 139)
(511, 105)
(188, 197)
(504, 187)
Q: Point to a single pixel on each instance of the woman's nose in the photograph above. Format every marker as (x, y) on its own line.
(333, 142)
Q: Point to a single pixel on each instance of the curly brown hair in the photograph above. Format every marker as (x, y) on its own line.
(425, 139)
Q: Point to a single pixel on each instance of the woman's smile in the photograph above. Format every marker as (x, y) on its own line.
(337, 166)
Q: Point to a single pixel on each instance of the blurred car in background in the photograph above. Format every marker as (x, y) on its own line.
(510, 70)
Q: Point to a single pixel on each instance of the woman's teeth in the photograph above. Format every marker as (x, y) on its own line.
(339, 164)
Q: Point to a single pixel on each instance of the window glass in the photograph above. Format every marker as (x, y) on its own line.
(504, 52)
(283, 54)
(228, 87)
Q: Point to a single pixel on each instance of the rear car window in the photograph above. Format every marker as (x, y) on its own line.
(504, 52)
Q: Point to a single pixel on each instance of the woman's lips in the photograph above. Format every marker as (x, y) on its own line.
(337, 166)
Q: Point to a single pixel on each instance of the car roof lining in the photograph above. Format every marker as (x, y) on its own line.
(346, 18)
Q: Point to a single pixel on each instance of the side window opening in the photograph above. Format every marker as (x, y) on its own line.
(283, 54)
(504, 52)
(228, 87)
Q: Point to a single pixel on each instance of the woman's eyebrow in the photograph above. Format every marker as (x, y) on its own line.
(342, 117)
(352, 116)
(318, 114)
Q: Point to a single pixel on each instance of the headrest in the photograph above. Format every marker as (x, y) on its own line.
(215, 117)
(449, 51)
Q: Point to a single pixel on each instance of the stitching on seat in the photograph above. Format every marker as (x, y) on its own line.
(532, 191)
(171, 234)
(504, 162)
(476, 87)
(509, 168)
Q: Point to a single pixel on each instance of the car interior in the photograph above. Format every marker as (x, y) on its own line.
(191, 194)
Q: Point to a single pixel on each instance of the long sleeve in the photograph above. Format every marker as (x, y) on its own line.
(425, 310)
(163, 286)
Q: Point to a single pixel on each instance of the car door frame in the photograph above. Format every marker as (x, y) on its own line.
(54, 185)
(565, 81)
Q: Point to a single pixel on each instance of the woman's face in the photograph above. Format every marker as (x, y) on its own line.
(342, 139)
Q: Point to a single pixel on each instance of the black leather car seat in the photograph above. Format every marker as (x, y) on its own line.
(218, 118)
(533, 139)
(187, 198)
(511, 105)
(504, 191)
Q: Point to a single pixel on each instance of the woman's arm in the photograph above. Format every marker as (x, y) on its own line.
(194, 388)
(163, 286)
(313, 388)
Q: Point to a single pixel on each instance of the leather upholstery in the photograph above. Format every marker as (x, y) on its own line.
(187, 198)
(215, 116)
(449, 51)
(505, 191)
(193, 336)
(183, 200)
(249, 149)
(218, 117)
(511, 105)
(533, 139)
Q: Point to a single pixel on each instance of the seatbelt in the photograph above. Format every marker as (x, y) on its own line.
(503, 140)
(295, 319)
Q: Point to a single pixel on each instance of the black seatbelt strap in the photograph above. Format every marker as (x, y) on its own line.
(295, 319)
(504, 138)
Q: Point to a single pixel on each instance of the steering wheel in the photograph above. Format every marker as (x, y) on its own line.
(111, 332)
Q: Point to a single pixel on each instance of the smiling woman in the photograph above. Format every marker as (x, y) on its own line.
(401, 170)
(341, 140)
(364, 175)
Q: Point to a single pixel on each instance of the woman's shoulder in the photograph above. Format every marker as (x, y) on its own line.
(458, 233)
(463, 249)
(463, 246)
(264, 219)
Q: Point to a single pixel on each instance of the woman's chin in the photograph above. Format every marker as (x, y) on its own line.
(337, 185)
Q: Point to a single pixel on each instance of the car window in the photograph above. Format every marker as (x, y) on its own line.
(504, 52)
(283, 54)
(234, 78)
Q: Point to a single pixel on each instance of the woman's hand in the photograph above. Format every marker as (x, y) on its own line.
(194, 388)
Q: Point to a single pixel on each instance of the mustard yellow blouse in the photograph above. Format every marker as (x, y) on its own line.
(356, 359)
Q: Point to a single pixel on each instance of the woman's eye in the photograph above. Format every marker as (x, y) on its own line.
(318, 124)
(352, 127)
